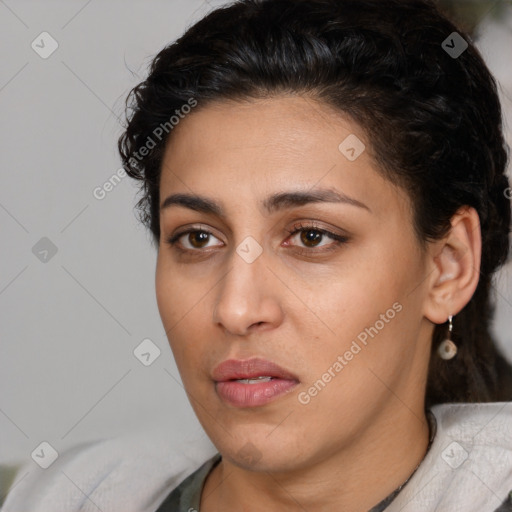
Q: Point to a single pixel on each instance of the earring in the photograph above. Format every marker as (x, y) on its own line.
(447, 349)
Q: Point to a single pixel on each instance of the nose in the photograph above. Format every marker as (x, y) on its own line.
(248, 297)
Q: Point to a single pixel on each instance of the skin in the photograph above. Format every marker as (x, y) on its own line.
(365, 432)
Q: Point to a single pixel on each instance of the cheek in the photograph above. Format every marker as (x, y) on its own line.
(182, 311)
(368, 301)
(175, 296)
(172, 300)
(162, 289)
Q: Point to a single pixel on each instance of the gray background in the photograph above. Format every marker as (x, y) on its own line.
(69, 325)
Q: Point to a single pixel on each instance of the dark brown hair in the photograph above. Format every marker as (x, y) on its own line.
(433, 119)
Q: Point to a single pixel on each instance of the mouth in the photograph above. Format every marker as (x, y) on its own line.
(251, 382)
(257, 380)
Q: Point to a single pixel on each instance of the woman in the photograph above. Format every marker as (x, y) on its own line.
(324, 181)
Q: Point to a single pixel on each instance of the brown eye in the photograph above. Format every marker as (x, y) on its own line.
(198, 238)
(311, 237)
(193, 240)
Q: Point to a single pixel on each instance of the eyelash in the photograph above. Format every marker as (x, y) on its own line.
(297, 228)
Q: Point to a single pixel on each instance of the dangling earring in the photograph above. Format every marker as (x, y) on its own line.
(447, 349)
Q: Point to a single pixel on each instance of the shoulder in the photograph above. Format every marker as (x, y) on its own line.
(493, 420)
(468, 466)
(132, 472)
(499, 413)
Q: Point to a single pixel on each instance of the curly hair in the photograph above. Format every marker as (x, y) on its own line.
(434, 121)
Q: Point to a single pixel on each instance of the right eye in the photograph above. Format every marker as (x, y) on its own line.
(196, 239)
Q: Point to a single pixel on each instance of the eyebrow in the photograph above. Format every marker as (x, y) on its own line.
(273, 203)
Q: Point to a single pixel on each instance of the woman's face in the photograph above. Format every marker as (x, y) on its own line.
(341, 314)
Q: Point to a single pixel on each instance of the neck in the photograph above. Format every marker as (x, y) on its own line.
(356, 476)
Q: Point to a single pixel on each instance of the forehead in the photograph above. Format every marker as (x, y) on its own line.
(239, 151)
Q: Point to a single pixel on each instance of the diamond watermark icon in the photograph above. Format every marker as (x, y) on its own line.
(454, 45)
(147, 352)
(249, 249)
(44, 250)
(454, 455)
(44, 45)
(249, 453)
(44, 455)
(352, 147)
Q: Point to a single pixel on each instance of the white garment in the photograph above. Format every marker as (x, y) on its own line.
(467, 469)
(469, 465)
(130, 473)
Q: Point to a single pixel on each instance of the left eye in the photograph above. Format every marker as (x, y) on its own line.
(310, 236)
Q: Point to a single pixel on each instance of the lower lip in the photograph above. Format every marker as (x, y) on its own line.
(239, 394)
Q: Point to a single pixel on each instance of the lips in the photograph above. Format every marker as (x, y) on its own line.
(252, 382)
(234, 369)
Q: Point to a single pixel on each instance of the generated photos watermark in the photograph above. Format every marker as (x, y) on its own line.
(163, 129)
(304, 397)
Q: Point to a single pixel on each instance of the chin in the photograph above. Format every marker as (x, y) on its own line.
(258, 451)
(267, 461)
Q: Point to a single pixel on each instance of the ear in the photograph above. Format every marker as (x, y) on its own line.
(454, 266)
